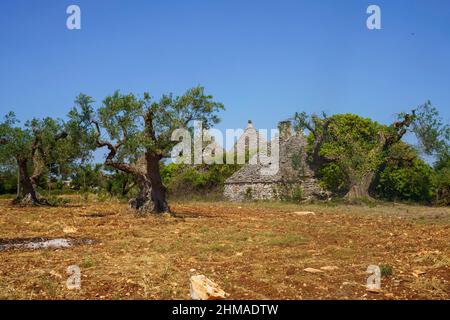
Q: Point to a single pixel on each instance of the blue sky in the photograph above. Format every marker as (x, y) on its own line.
(263, 59)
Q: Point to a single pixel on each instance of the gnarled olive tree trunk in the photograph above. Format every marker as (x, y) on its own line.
(143, 202)
(362, 177)
(359, 188)
(28, 194)
(159, 191)
(27, 190)
(152, 197)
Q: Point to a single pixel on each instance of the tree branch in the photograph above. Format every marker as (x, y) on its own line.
(109, 161)
(319, 139)
(61, 135)
(399, 129)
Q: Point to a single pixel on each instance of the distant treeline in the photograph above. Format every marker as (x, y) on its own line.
(353, 157)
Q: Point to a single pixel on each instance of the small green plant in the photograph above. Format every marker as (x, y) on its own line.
(56, 201)
(248, 194)
(297, 194)
(48, 285)
(386, 270)
(103, 197)
(87, 262)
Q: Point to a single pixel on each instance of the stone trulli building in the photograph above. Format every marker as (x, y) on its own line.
(294, 180)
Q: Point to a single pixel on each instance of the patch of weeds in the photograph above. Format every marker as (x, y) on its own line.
(433, 286)
(238, 236)
(218, 247)
(342, 253)
(87, 262)
(157, 284)
(436, 219)
(386, 270)
(7, 196)
(103, 197)
(49, 285)
(5, 292)
(434, 259)
(371, 204)
(287, 240)
(147, 285)
(294, 196)
(248, 194)
(204, 229)
(332, 203)
(162, 248)
(363, 201)
(178, 244)
(57, 201)
(84, 192)
(117, 296)
(165, 273)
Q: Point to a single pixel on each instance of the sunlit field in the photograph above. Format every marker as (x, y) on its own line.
(252, 250)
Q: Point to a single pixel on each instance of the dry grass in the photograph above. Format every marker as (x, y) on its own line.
(253, 250)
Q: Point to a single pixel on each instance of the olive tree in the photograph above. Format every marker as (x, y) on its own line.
(137, 132)
(32, 148)
(357, 145)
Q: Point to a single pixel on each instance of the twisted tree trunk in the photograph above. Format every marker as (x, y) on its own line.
(359, 189)
(27, 194)
(152, 197)
(143, 202)
(159, 191)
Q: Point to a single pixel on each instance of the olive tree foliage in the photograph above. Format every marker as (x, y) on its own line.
(137, 132)
(432, 133)
(358, 146)
(33, 148)
(442, 167)
(404, 176)
(434, 140)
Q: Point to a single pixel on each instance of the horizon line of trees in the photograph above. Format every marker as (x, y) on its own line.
(353, 157)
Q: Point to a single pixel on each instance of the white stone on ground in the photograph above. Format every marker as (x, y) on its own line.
(203, 288)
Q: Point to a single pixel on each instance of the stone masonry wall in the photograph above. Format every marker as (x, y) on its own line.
(249, 191)
(307, 189)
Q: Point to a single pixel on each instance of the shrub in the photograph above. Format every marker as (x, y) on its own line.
(386, 270)
(442, 197)
(333, 178)
(181, 179)
(297, 194)
(415, 182)
(248, 194)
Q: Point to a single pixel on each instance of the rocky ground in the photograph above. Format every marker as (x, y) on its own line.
(252, 251)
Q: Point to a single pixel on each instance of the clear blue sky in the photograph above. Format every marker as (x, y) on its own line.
(263, 59)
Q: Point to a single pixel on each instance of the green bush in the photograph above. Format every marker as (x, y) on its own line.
(333, 178)
(8, 182)
(297, 194)
(442, 168)
(386, 270)
(414, 183)
(181, 179)
(248, 194)
(404, 176)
